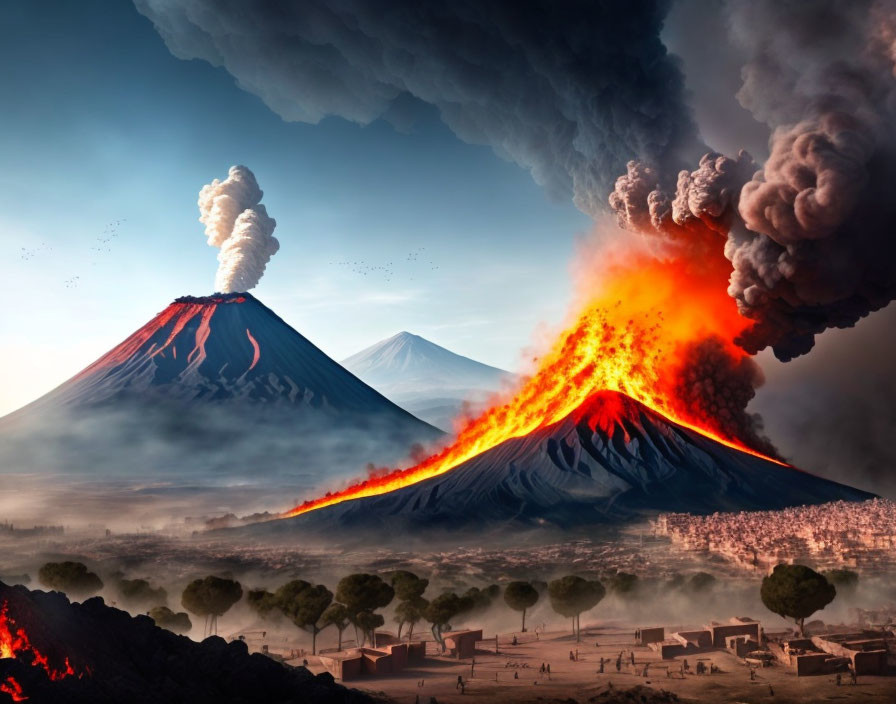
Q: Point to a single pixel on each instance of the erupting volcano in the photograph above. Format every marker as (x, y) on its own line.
(641, 371)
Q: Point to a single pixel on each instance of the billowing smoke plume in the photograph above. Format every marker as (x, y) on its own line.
(808, 234)
(570, 91)
(237, 223)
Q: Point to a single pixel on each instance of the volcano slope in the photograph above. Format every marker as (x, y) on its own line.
(113, 657)
(218, 383)
(611, 460)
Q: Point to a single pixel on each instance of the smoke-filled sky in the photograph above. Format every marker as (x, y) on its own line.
(432, 166)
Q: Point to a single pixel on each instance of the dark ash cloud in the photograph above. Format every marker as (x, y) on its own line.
(570, 91)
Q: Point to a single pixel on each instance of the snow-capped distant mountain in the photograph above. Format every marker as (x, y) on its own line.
(208, 373)
(426, 379)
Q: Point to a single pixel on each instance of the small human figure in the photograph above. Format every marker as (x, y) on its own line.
(577, 654)
(638, 635)
(687, 668)
(770, 690)
(633, 657)
(753, 675)
(305, 662)
(516, 675)
(646, 665)
(601, 666)
(460, 682)
(571, 656)
(548, 670)
(619, 662)
(514, 641)
(541, 669)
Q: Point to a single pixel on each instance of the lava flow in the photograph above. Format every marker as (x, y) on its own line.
(14, 643)
(637, 335)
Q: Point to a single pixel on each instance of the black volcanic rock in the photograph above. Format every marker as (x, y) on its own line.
(610, 461)
(119, 658)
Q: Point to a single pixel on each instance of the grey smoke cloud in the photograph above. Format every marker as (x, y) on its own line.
(808, 232)
(237, 223)
(569, 91)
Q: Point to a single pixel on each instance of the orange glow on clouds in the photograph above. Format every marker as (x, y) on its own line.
(629, 337)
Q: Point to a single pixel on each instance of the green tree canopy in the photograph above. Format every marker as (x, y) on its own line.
(572, 595)
(73, 578)
(364, 592)
(336, 615)
(701, 582)
(139, 592)
(797, 592)
(623, 584)
(520, 596)
(304, 604)
(410, 612)
(442, 610)
(262, 602)
(211, 597)
(368, 622)
(165, 618)
(844, 580)
(407, 585)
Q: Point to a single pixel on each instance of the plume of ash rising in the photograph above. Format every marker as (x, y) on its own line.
(237, 223)
(808, 234)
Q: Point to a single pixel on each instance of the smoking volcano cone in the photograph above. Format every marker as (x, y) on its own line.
(218, 376)
(608, 461)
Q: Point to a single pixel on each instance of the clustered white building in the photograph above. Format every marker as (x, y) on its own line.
(836, 534)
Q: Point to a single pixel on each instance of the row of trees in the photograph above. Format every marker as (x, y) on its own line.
(792, 591)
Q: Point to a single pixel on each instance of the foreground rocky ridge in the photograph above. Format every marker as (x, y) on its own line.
(116, 658)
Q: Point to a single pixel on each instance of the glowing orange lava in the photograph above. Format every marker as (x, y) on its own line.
(630, 337)
(14, 643)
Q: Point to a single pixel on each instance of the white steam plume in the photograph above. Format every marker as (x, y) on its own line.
(237, 223)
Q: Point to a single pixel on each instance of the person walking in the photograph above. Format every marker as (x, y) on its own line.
(460, 682)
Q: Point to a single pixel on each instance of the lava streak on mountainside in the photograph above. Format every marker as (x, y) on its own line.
(661, 331)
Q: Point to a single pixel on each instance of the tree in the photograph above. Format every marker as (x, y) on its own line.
(368, 622)
(262, 602)
(846, 581)
(336, 615)
(407, 585)
(623, 584)
(410, 612)
(409, 590)
(572, 595)
(797, 592)
(165, 618)
(73, 578)
(363, 593)
(441, 611)
(304, 604)
(138, 592)
(519, 597)
(211, 597)
(701, 582)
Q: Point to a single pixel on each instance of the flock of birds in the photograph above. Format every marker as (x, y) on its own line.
(104, 241)
(387, 270)
(103, 245)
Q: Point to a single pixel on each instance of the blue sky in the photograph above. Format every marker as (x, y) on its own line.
(101, 123)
